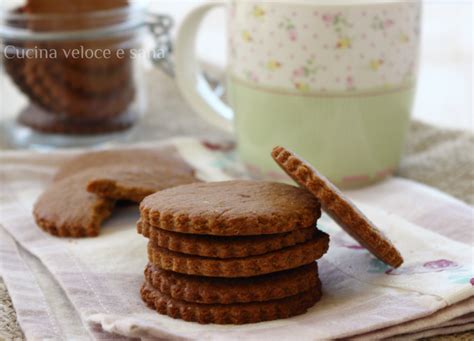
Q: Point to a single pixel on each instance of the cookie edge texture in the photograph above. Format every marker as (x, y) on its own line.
(284, 259)
(207, 290)
(346, 214)
(240, 313)
(184, 243)
(102, 210)
(220, 226)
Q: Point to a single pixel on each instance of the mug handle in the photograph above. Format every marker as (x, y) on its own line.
(191, 82)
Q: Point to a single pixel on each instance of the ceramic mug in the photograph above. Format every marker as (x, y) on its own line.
(332, 80)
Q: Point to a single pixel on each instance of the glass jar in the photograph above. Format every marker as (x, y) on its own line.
(72, 70)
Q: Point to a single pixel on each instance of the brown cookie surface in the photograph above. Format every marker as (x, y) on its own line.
(223, 247)
(50, 93)
(73, 6)
(287, 258)
(12, 62)
(66, 209)
(134, 183)
(92, 83)
(237, 313)
(166, 157)
(340, 208)
(217, 290)
(84, 95)
(97, 90)
(74, 15)
(231, 208)
(43, 121)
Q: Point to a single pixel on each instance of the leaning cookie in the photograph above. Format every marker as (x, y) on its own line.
(284, 259)
(238, 313)
(218, 290)
(339, 207)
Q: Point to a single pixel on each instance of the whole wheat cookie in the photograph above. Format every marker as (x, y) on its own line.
(223, 247)
(340, 208)
(237, 313)
(104, 91)
(284, 259)
(164, 156)
(120, 56)
(133, 183)
(12, 63)
(68, 209)
(131, 174)
(73, 7)
(49, 93)
(41, 120)
(217, 290)
(231, 208)
(89, 82)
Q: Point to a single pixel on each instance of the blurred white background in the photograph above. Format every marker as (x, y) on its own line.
(444, 95)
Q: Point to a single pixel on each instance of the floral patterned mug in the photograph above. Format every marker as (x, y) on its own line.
(332, 80)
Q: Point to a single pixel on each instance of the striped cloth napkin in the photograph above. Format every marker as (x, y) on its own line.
(89, 288)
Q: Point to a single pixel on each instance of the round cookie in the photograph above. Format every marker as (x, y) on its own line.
(73, 7)
(53, 96)
(238, 313)
(340, 208)
(165, 156)
(66, 209)
(135, 182)
(12, 62)
(104, 91)
(231, 208)
(284, 259)
(83, 95)
(216, 290)
(222, 247)
(91, 83)
(38, 119)
(120, 55)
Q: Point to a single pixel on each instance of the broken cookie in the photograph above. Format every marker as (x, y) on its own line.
(86, 188)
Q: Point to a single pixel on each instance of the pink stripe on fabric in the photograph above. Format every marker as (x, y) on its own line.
(33, 312)
(84, 291)
(446, 316)
(18, 221)
(469, 318)
(436, 332)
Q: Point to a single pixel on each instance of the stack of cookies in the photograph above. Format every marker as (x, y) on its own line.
(74, 86)
(232, 252)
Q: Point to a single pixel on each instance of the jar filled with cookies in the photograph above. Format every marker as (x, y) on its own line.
(71, 70)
